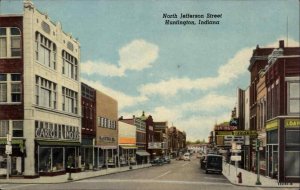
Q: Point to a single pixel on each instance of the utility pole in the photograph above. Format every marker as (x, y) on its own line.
(8, 151)
(257, 163)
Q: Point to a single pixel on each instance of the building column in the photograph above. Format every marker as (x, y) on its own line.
(29, 160)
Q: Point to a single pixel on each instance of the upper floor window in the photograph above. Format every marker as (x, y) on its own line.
(69, 67)
(45, 51)
(45, 93)
(10, 87)
(70, 100)
(10, 42)
(293, 97)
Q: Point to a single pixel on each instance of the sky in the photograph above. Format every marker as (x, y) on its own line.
(187, 75)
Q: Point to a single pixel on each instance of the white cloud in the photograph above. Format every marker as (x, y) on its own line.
(226, 73)
(137, 55)
(234, 67)
(123, 99)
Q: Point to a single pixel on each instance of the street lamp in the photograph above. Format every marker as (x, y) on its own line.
(257, 162)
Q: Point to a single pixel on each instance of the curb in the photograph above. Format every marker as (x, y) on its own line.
(69, 181)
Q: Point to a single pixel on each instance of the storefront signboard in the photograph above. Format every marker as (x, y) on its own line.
(236, 133)
(291, 123)
(57, 133)
(272, 125)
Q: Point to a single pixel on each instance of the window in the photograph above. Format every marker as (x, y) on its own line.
(69, 67)
(4, 130)
(70, 100)
(293, 97)
(45, 51)
(17, 129)
(12, 94)
(10, 42)
(45, 93)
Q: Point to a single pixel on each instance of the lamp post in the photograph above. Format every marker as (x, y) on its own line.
(257, 163)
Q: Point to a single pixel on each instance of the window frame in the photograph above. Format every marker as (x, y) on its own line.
(8, 38)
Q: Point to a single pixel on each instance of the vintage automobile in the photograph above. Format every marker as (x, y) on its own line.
(211, 163)
(157, 161)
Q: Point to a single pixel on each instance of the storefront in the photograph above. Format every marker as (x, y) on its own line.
(57, 148)
(142, 157)
(127, 154)
(87, 153)
(106, 156)
(16, 158)
(272, 148)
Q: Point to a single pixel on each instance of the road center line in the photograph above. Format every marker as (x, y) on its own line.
(162, 174)
(185, 164)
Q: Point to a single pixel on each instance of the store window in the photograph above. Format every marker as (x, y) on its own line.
(51, 159)
(10, 42)
(45, 160)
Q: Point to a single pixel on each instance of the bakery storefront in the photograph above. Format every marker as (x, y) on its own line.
(57, 148)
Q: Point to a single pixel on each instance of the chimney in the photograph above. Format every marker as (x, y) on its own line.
(121, 118)
(133, 116)
(281, 44)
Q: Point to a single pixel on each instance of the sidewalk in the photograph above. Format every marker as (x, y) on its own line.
(75, 176)
(249, 178)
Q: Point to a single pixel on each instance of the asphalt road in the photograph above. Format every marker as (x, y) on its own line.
(179, 175)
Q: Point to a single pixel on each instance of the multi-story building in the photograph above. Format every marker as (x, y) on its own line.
(282, 76)
(106, 131)
(88, 123)
(142, 156)
(40, 89)
(160, 135)
(149, 134)
(127, 144)
(258, 62)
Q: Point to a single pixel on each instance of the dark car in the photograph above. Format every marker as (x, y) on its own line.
(212, 163)
(157, 161)
(166, 160)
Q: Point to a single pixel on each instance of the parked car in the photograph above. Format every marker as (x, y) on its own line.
(166, 159)
(157, 161)
(212, 163)
(187, 157)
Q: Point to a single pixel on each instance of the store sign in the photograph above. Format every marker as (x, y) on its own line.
(62, 133)
(225, 128)
(107, 139)
(272, 125)
(154, 145)
(236, 133)
(292, 123)
(236, 158)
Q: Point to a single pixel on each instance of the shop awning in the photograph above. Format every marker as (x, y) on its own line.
(142, 153)
(106, 147)
(14, 141)
(57, 143)
(128, 146)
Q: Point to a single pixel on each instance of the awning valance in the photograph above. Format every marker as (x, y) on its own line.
(142, 153)
(106, 147)
(57, 143)
(128, 146)
(14, 141)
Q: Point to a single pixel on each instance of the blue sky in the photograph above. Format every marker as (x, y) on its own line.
(187, 75)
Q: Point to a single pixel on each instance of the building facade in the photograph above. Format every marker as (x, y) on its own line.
(49, 92)
(127, 144)
(88, 123)
(106, 130)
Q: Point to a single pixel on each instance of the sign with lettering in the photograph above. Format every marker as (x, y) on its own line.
(237, 133)
(154, 145)
(59, 132)
(107, 139)
(290, 123)
(272, 125)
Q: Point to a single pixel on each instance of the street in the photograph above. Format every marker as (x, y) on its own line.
(179, 175)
